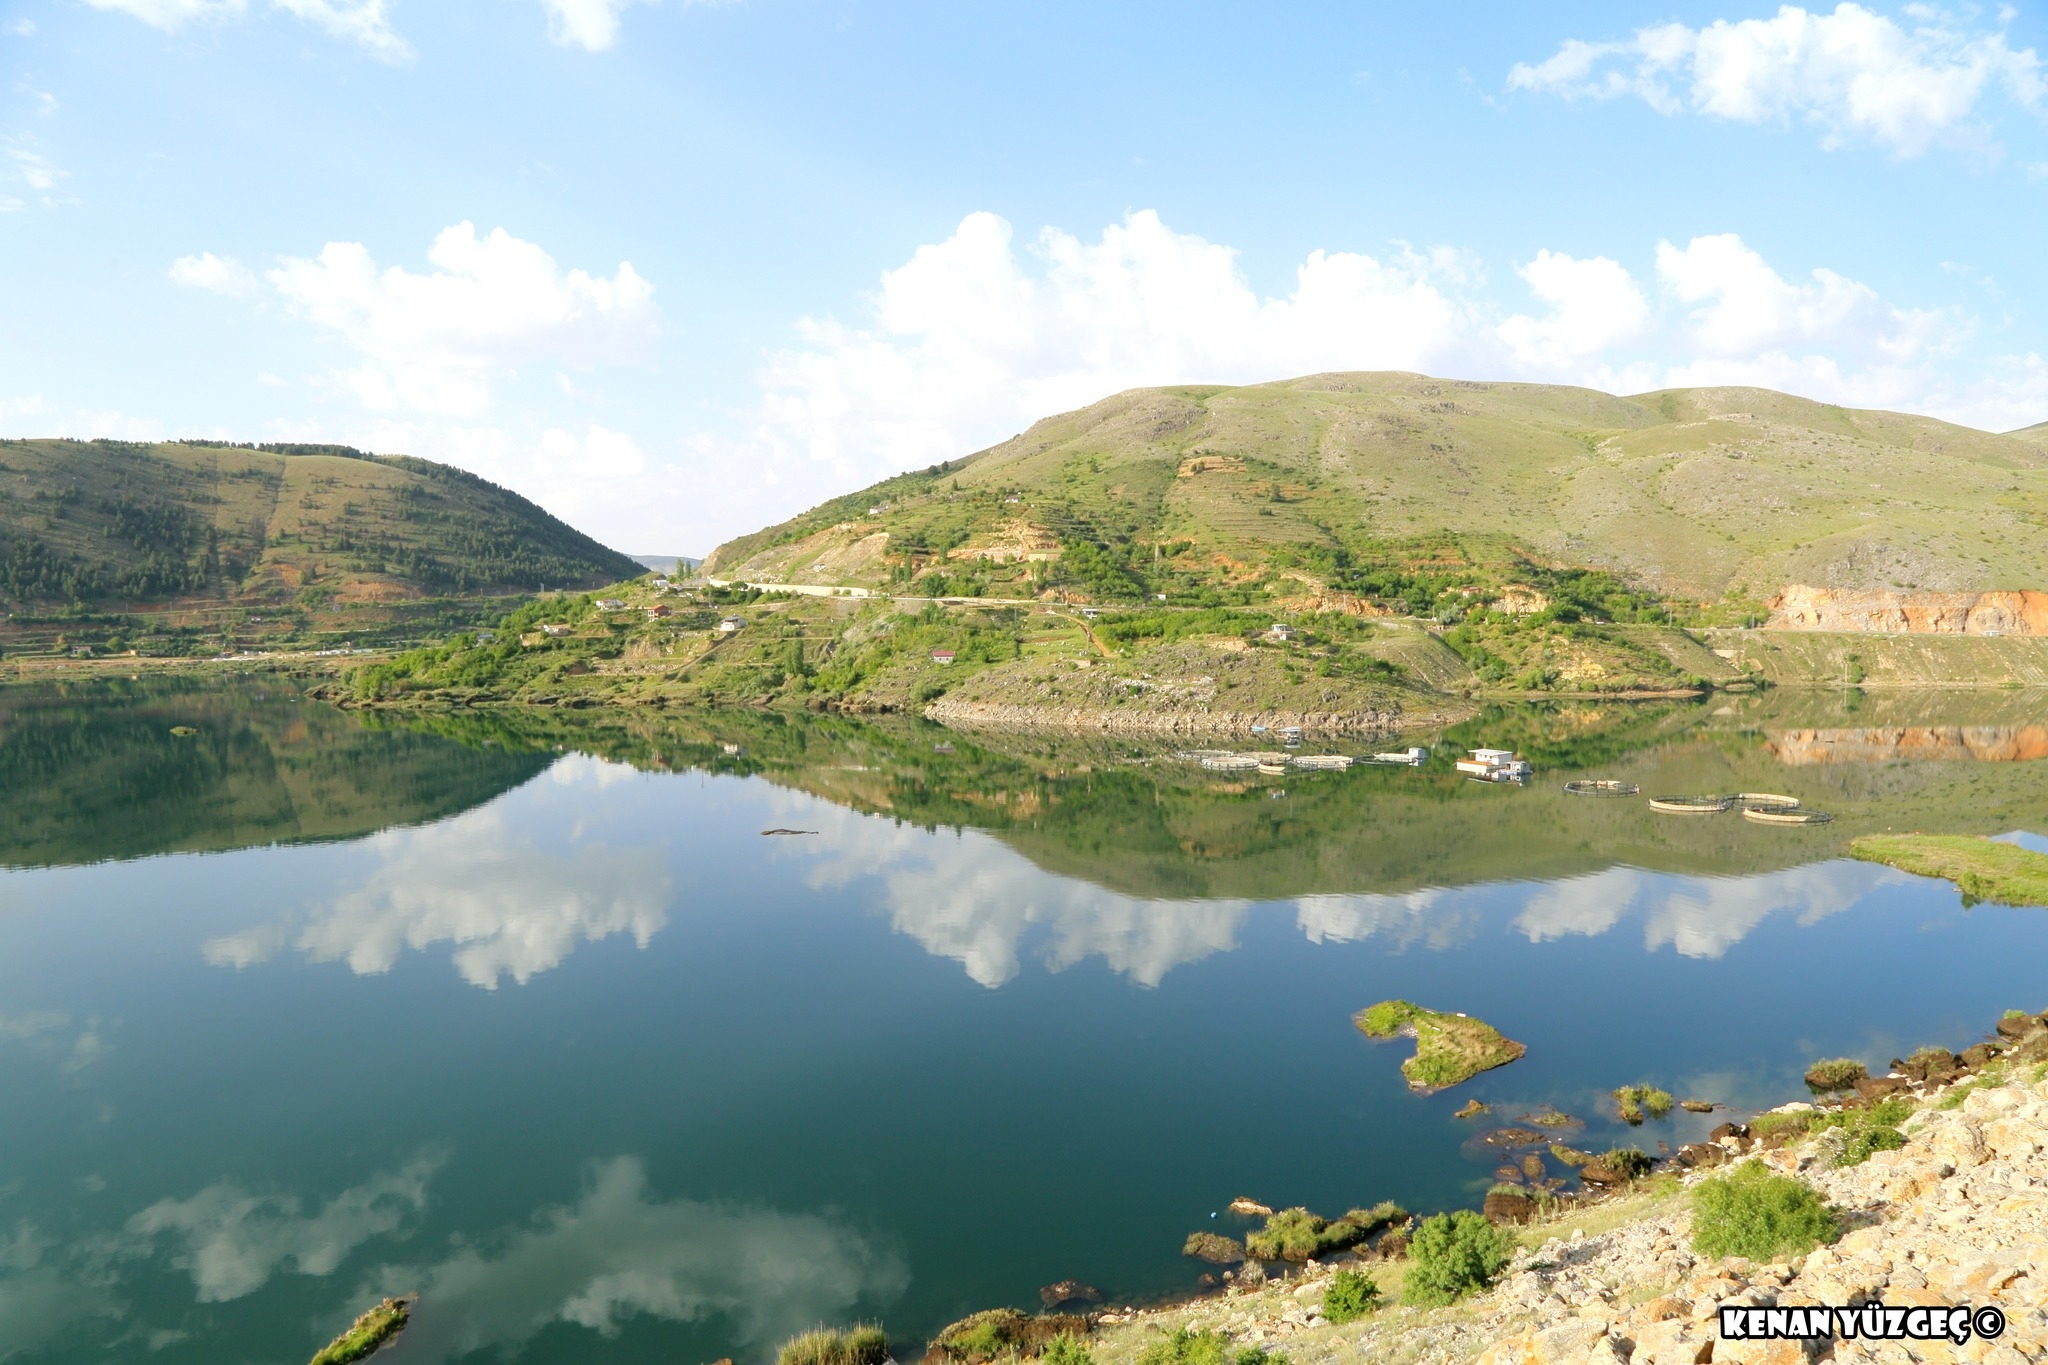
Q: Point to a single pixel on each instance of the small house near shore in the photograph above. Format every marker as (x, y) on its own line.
(1280, 630)
(609, 604)
(554, 632)
(659, 610)
(731, 625)
(942, 656)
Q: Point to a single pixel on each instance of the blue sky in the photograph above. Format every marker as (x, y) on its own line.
(677, 270)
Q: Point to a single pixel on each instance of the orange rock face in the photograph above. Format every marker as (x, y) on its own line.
(1882, 612)
(1882, 743)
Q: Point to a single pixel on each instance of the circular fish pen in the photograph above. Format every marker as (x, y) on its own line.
(1601, 787)
(1766, 815)
(1691, 805)
(1766, 801)
(1230, 763)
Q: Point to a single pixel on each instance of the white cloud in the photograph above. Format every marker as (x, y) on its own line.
(436, 343)
(616, 1253)
(511, 909)
(171, 15)
(1853, 73)
(220, 274)
(1596, 306)
(362, 22)
(23, 165)
(592, 25)
(969, 343)
(20, 28)
(365, 23)
(231, 1241)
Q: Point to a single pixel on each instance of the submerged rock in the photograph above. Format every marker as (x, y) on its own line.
(1251, 1208)
(1069, 1291)
(1212, 1247)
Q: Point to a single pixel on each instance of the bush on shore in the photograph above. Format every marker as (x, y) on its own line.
(862, 1344)
(1351, 1295)
(1756, 1213)
(1834, 1074)
(1452, 1255)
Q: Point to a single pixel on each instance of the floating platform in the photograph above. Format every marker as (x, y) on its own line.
(1691, 805)
(1781, 815)
(1601, 787)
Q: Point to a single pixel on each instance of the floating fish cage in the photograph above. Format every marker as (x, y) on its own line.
(1323, 762)
(1767, 801)
(1231, 763)
(1691, 805)
(1781, 815)
(1601, 787)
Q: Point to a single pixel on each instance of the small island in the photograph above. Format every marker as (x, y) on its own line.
(368, 1334)
(1982, 868)
(1449, 1048)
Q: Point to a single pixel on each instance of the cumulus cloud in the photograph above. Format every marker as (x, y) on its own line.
(970, 341)
(509, 907)
(437, 342)
(617, 1252)
(1596, 305)
(231, 1241)
(219, 274)
(1853, 73)
(975, 900)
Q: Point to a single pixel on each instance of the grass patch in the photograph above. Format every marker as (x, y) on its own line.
(1755, 1213)
(862, 1344)
(1452, 1255)
(1204, 1348)
(367, 1334)
(1297, 1234)
(1449, 1048)
(1630, 1163)
(1351, 1295)
(1833, 1074)
(1003, 1333)
(1981, 868)
(1636, 1101)
(1065, 1350)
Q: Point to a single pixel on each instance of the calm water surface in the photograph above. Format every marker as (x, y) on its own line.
(296, 1011)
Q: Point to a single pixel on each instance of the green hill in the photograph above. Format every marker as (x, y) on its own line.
(187, 532)
(1397, 490)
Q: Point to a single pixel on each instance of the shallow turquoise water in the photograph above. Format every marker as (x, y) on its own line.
(573, 1051)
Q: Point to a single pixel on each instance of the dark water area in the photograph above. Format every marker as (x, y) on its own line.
(529, 1017)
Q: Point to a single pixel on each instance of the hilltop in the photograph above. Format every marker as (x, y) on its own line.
(185, 533)
(1400, 490)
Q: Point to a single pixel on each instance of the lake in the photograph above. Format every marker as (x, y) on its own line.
(527, 1015)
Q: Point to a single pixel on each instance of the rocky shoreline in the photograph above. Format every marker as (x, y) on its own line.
(1955, 1216)
(1024, 717)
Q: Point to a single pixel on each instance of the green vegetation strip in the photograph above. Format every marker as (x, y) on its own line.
(1449, 1048)
(367, 1334)
(1983, 868)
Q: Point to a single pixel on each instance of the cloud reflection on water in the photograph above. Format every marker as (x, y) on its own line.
(974, 899)
(510, 907)
(1699, 917)
(231, 1241)
(617, 1252)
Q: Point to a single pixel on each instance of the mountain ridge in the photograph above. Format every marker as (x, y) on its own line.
(1702, 494)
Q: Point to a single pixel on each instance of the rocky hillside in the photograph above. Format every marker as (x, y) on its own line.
(1954, 1217)
(1400, 492)
(114, 525)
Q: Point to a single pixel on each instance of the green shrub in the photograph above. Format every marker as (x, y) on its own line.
(1630, 1163)
(863, 1344)
(1771, 1125)
(1297, 1235)
(1259, 1355)
(1835, 1073)
(1185, 1348)
(1064, 1350)
(1865, 1140)
(1452, 1255)
(1351, 1295)
(1755, 1213)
